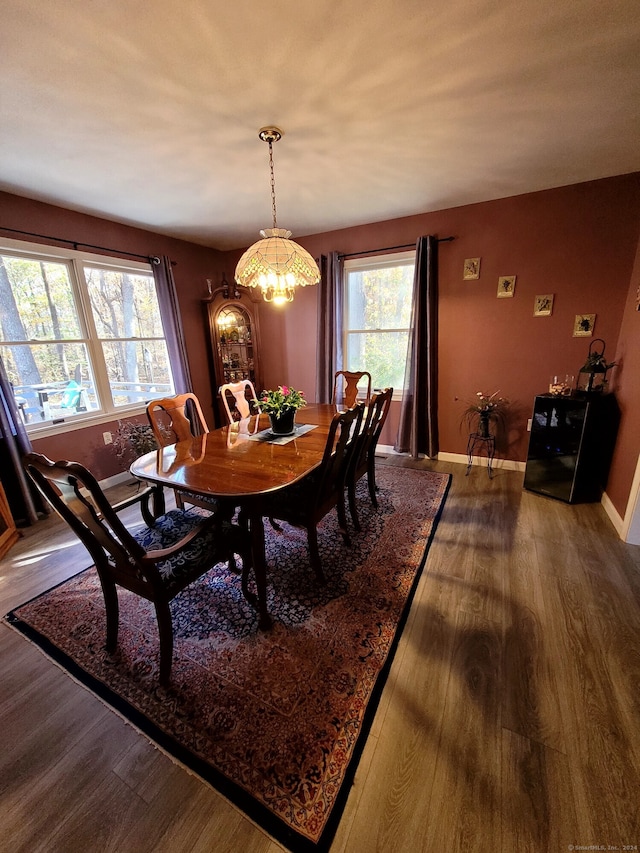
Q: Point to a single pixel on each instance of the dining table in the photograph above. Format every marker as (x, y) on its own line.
(240, 464)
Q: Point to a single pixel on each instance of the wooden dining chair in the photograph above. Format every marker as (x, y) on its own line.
(364, 454)
(155, 563)
(306, 503)
(175, 419)
(236, 398)
(349, 388)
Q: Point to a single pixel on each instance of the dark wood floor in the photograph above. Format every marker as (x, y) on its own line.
(510, 721)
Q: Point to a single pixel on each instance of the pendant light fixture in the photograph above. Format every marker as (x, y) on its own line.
(276, 264)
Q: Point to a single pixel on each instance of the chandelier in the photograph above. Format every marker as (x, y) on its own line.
(276, 264)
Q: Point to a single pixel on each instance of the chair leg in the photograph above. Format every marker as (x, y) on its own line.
(371, 480)
(342, 521)
(112, 613)
(352, 505)
(165, 630)
(314, 553)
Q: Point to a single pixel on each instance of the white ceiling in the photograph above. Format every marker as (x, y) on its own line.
(147, 111)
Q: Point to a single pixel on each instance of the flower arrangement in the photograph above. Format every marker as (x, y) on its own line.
(487, 407)
(279, 401)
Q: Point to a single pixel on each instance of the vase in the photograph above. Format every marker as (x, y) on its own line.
(483, 425)
(283, 424)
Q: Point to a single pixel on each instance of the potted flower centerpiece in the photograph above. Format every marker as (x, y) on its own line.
(281, 405)
(484, 409)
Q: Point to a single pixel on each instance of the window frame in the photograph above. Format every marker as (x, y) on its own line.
(363, 264)
(76, 260)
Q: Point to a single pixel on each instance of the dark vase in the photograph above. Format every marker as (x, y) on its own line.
(483, 425)
(283, 424)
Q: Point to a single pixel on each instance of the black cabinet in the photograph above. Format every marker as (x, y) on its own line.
(571, 445)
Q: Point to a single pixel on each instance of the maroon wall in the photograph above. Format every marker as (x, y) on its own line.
(193, 266)
(577, 242)
(628, 395)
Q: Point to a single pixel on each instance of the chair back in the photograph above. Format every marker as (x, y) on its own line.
(341, 443)
(373, 422)
(76, 496)
(236, 397)
(350, 387)
(176, 418)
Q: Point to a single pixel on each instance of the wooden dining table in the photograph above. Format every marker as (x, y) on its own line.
(240, 464)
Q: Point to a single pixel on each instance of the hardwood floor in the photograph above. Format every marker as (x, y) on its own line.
(510, 720)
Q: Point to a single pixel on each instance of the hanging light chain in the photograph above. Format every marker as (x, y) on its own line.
(273, 185)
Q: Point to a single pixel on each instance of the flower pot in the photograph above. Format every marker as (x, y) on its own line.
(283, 424)
(483, 425)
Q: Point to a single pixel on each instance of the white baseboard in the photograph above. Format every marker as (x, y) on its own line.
(123, 477)
(463, 459)
(614, 516)
(460, 458)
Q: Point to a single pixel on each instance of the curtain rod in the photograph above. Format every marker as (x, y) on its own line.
(390, 248)
(152, 258)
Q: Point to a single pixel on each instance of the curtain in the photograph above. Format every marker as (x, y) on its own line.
(418, 427)
(24, 499)
(172, 322)
(329, 348)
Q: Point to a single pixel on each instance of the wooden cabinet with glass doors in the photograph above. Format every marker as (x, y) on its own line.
(234, 342)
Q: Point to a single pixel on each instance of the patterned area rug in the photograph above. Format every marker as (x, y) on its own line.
(276, 721)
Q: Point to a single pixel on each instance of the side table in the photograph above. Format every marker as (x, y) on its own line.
(489, 441)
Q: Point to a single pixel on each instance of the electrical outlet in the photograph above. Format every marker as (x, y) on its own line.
(108, 438)
(529, 424)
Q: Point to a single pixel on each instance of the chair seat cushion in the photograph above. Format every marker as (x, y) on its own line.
(217, 543)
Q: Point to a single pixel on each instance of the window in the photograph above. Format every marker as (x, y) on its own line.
(377, 316)
(81, 335)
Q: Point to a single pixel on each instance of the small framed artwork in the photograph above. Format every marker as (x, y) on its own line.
(583, 325)
(543, 305)
(506, 285)
(471, 269)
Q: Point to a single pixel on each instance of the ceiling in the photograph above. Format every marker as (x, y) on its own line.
(148, 113)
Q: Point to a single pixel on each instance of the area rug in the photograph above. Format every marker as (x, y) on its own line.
(276, 721)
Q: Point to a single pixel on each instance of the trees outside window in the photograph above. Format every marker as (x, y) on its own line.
(81, 335)
(377, 316)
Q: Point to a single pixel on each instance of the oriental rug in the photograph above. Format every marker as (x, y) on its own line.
(276, 721)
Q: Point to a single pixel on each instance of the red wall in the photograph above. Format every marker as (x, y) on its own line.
(628, 395)
(577, 242)
(193, 265)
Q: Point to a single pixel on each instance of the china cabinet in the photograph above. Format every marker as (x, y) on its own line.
(235, 346)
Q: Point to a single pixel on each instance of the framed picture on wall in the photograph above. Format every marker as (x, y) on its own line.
(506, 285)
(471, 269)
(583, 325)
(543, 305)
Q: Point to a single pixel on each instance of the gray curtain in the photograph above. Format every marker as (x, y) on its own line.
(329, 348)
(174, 335)
(418, 427)
(24, 500)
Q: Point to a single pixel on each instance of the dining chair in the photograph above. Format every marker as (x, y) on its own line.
(155, 563)
(305, 504)
(348, 388)
(364, 455)
(175, 419)
(240, 414)
(241, 406)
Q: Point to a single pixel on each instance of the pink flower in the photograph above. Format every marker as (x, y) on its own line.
(285, 389)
